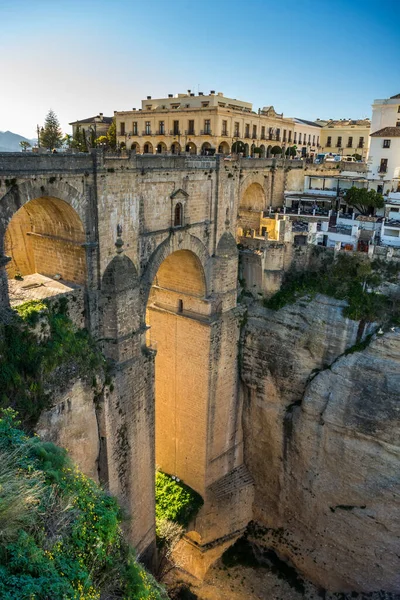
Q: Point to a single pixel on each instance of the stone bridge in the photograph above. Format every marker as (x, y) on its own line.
(151, 241)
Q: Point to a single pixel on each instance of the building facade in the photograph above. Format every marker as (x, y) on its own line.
(345, 137)
(99, 125)
(203, 124)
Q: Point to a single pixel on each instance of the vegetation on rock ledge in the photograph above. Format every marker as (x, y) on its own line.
(64, 539)
(351, 278)
(39, 349)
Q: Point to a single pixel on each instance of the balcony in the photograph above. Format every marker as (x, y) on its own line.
(147, 132)
(278, 138)
(224, 133)
(263, 136)
(175, 132)
(189, 132)
(382, 170)
(160, 132)
(205, 132)
(247, 135)
(122, 133)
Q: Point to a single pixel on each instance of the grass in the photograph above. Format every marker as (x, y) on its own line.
(175, 501)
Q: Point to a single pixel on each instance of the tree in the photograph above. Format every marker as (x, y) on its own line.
(79, 140)
(291, 151)
(101, 141)
(51, 134)
(276, 150)
(365, 201)
(112, 135)
(24, 145)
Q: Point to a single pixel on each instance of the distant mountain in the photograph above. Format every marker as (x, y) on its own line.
(9, 141)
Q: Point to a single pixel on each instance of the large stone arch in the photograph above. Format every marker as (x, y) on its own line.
(252, 203)
(174, 242)
(22, 193)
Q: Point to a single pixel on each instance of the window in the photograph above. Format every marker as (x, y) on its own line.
(254, 131)
(398, 124)
(224, 127)
(309, 138)
(317, 140)
(191, 128)
(299, 138)
(386, 143)
(205, 104)
(207, 126)
(263, 133)
(379, 189)
(148, 128)
(329, 141)
(237, 130)
(122, 128)
(339, 142)
(313, 140)
(278, 134)
(295, 137)
(398, 109)
(383, 165)
(247, 131)
(176, 128)
(284, 135)
(178, 215)
(161, 128)
(271, 133)
(180, 306)
(350, 142)
(361, 142)
(290, 137)
(134, 128)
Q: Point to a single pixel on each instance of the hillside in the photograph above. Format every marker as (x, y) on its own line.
(9, 141)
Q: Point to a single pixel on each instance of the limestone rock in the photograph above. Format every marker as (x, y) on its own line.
(323, 444)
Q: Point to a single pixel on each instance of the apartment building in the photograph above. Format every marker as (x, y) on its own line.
(203, 124)
(345, 136)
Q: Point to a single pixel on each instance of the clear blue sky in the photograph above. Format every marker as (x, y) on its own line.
(326, 59)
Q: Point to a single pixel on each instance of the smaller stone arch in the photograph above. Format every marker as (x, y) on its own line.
(263, 152)
(161, 148)
(223, 148)
(227, 246)
(206, 148)
(148, 148)
(191, 148)
(135, 148)
(246, 150)
(269, 151)
(175, 148)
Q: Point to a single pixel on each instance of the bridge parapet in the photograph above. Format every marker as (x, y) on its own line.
(21, 163)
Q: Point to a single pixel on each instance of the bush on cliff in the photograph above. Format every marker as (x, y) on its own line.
(39, 349)
(350, 278)
(60, 534)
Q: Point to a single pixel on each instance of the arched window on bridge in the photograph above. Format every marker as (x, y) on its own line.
(178, 215)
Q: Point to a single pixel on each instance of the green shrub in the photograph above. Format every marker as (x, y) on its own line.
(175, 501)
(71, 546)
(348, 278)
(28, 365)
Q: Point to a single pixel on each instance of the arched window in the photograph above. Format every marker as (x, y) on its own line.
(178, 214)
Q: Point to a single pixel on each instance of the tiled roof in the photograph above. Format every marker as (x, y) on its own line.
(308, 122)
(93, 120)
(387, 132)
(396, 96)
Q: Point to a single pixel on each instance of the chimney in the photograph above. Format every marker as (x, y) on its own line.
(192, 94)
(170, 96)
(101, 116)
(189, 92)
(148, 97)
(133, 108)
(201, 94)
(212, 92)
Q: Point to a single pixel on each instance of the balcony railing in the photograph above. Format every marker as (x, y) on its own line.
(263, 136)
(205, 132)
(236, 134)
(382, 170)
(247, 135)
(224, 133)
(277, 138)
(122, 133)
(147, 132)
(160, 132)
(175, 132)
(189, 132)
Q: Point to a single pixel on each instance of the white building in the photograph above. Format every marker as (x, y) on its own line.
(384, 151)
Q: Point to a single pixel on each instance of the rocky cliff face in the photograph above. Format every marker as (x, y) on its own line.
(322, 443)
